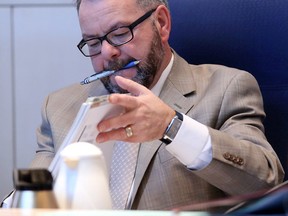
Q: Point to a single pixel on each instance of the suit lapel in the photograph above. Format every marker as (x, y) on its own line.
(179, 83)
(179, 86)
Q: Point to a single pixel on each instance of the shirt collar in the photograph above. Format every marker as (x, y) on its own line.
(158, 87)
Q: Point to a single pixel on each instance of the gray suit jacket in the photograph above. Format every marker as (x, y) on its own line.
(227, 100)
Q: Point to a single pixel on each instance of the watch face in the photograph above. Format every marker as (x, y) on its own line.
(176, 124)
(172, 129)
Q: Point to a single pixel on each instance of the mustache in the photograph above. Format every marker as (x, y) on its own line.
(117, 64)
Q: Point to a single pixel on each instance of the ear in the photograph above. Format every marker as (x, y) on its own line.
(163, 22)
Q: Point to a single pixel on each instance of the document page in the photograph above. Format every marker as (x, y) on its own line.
(84, 128)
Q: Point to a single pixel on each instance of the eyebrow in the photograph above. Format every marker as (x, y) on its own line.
(113, 27)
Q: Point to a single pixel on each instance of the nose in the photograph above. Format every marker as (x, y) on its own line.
(108, 51)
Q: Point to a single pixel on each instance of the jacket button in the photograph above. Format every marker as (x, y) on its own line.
(227, 156)
(241, 161)
(234, 159)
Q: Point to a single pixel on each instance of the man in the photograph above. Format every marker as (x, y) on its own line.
(198, 129)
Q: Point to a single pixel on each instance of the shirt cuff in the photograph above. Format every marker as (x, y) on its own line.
(192, 144)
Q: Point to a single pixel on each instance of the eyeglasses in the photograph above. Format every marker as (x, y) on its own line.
(116, 37)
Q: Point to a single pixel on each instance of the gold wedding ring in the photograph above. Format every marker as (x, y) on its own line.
(129, 131)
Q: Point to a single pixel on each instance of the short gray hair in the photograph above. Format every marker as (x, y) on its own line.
(149, 4)
(144, 4)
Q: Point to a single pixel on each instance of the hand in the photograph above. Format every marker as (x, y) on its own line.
(145, 114)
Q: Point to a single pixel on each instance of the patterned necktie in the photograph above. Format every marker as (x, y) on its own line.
(122, 172)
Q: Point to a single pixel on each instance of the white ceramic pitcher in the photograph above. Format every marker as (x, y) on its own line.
(82, 182)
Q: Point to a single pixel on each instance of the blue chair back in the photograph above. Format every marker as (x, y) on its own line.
(247, 34)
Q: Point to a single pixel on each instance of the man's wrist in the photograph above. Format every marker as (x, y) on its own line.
(172, 129)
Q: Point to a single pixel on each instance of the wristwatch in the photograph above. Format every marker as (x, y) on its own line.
(172, 129)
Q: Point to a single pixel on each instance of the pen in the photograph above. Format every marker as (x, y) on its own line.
(102, 74)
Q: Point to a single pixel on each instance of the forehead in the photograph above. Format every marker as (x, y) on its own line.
(102, 15)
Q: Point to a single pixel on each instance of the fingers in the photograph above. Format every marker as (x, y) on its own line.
(145, 118)
(125, 134)
(124, 100)
(131, 86)
(116, 122)
(128, 101)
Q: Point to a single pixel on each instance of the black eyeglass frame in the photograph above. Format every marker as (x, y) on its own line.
(83, 42)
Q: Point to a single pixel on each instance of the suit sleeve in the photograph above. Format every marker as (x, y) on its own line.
(243, 160)
(45, 147)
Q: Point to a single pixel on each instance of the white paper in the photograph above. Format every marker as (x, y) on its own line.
(84, 128)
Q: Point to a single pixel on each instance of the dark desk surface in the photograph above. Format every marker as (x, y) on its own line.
(47, 212)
